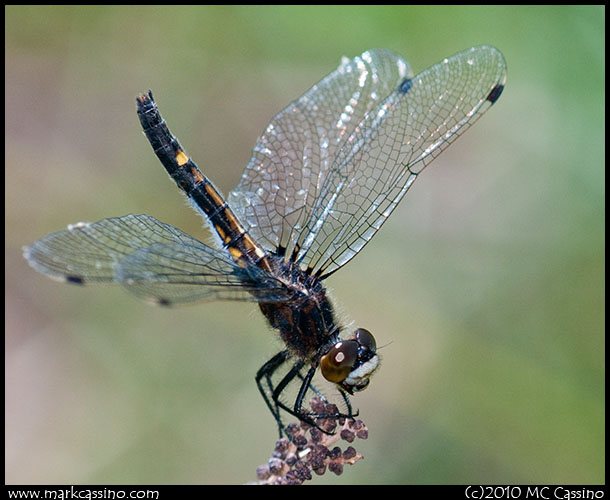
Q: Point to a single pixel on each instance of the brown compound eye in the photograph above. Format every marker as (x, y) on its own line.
(365, 339)
(339, 361)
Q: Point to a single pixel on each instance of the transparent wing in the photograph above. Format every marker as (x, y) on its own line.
(153, 260)
(291, 160)
(382, 157)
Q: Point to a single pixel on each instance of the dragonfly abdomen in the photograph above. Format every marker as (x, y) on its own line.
(201, 192)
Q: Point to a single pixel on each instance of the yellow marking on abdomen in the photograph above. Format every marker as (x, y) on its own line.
(214, 195)
(221, 233)
(236, 253)
(251, 244)
(233, 222)
(181, 158)
(198, 176)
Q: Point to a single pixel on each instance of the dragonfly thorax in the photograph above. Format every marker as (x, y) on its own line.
(306, 323)
(307, 326)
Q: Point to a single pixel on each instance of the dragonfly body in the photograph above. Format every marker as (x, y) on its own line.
(303, 318)
(324, 177)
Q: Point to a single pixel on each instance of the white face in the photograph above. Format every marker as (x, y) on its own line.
(358, 379)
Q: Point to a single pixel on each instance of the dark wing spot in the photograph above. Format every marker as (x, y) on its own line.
(405, 85)
(77, 280)
(495, 93)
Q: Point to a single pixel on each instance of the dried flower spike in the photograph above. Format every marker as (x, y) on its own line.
(311, 450)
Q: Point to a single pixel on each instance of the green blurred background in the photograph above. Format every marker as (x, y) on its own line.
(487, 283)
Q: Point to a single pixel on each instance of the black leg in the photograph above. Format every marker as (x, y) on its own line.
(271, 394)
(274, 403)
(350, 413)
(305, 386)
(266, 371)
(314, 389)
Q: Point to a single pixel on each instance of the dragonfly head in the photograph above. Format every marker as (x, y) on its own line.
(351, 362)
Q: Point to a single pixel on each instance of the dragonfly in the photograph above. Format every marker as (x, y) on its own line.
(324, 176)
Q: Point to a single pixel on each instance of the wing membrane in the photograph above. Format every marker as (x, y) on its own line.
(291, 160)
(153, 260)
(382, 157)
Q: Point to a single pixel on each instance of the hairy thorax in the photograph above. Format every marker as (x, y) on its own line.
(305, 323)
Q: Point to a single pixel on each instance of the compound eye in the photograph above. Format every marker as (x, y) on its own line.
(339, 361)
(365, 339)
